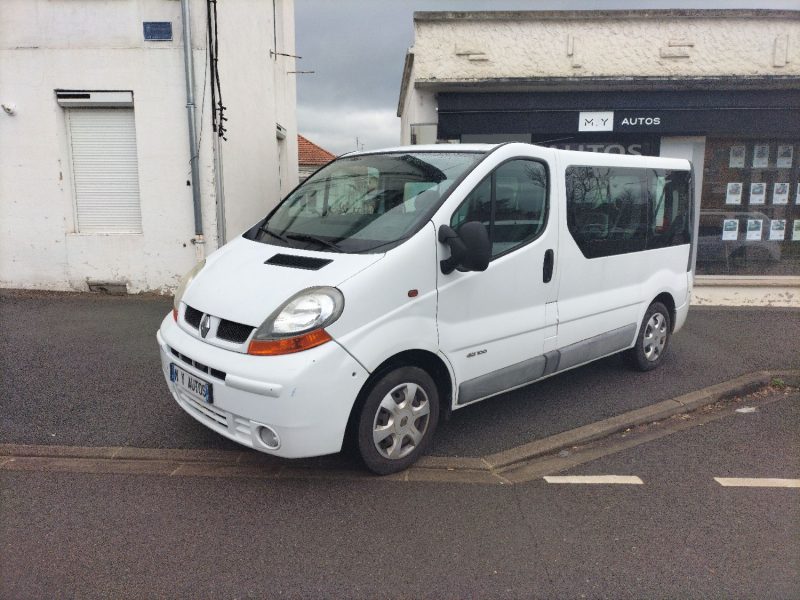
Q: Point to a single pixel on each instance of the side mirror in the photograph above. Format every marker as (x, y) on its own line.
(470, 248)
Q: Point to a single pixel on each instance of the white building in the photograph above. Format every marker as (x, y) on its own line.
(96, 182)
(719, 87)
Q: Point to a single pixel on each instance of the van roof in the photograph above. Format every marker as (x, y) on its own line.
(569, 156)
(428, 148)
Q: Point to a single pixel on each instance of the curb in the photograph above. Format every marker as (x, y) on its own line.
(499, 461)
(487, 469)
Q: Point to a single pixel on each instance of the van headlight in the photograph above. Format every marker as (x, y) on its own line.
(187, 279)
(298, 324)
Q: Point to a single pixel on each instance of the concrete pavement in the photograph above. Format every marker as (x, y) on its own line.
(677, 535)
(83, 370)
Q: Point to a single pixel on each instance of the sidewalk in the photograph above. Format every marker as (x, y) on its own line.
(83, 370)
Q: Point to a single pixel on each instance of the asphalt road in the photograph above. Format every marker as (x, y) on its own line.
(678, 535)
(79, 369)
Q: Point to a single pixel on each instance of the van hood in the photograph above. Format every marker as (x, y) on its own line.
(237, 285)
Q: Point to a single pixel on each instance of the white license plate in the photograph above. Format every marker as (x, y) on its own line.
(194, 386)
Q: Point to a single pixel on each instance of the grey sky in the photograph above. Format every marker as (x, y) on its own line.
(357, 47)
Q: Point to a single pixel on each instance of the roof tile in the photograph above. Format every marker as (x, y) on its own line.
(311, 154)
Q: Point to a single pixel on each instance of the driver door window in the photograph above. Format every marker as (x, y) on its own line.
(511, 202)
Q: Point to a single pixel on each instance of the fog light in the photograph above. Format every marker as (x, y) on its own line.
(269, 437)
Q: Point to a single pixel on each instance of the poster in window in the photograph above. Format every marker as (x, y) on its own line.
(785, 156)
(758, 192)
(780, 193)
(753, 229)
(777, 229)
(796, 231)
(760, 156)
(734, 194)
(736, 160)
(730, 229)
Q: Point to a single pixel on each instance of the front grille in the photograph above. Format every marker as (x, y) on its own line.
(193, 316)
(233, 332)
(198, 365)
(229, 331)
(208, 411)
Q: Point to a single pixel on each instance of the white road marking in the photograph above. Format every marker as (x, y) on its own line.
(757, 482)
(616, 479)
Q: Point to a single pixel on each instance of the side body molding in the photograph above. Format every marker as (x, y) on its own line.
(548, 364)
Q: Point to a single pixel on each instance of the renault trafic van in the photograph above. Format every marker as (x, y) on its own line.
(393, 287)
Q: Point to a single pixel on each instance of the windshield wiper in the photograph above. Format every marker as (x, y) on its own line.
(304, 237)
(382, 244)
(264, 229)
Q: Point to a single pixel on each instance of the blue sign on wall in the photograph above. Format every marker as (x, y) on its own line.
(157, 31)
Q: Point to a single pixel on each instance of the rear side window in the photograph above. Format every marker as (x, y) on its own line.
(511, 202)
(612, 210)
(668, 197)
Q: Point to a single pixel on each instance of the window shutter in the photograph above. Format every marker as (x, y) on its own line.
(105, 170)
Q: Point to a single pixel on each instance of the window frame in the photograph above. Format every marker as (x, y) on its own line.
(493, 200)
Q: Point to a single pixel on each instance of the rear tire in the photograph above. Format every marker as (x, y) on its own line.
(653, 339)
(398, 420)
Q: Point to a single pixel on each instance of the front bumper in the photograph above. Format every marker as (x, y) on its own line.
(305, 397)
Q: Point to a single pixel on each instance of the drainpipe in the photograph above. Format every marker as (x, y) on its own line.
(188, 64)
(222, 237)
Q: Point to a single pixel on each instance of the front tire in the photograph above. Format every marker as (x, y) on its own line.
(397, 420)
(653, 339)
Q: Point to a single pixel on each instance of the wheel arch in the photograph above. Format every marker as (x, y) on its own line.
(667, 300)
(433, 364)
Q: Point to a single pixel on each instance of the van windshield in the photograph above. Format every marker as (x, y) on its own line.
(364, 203)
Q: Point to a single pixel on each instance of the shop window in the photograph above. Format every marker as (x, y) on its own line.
(511, 202)
(750, 208)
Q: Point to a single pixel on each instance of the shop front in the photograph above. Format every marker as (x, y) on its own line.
(745, 146)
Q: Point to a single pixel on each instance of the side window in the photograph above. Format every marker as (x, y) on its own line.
(607, 209)
(671, 217)
(477, 206)
(614, 210)
(511, 202)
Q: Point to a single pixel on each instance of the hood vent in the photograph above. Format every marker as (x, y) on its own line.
(298, 262)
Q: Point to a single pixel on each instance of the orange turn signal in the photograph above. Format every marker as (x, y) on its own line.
(289, 345)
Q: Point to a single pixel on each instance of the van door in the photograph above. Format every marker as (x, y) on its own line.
(603, 241)
(625, 238)
(495, 326)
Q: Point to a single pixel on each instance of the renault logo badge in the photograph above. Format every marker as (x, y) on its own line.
(205, 325)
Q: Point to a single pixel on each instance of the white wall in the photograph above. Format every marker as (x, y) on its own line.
(98, 45)
(259, 93)
(416, 106)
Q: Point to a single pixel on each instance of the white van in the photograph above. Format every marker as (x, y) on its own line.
(393, 287)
